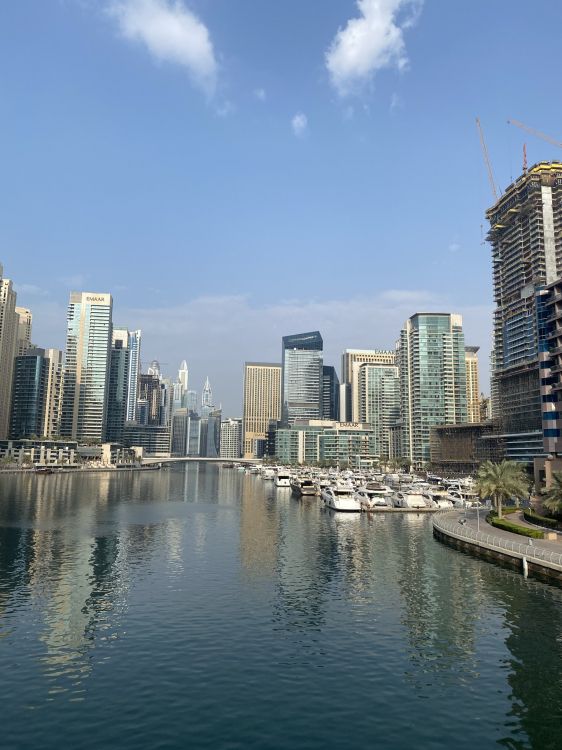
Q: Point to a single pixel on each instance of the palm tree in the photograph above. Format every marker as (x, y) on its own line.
(553, 497)
(502, 481)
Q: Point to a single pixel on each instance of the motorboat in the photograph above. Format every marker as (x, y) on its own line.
(304, 487)
(341, 497)
(282, 478)
(268, 473)
(409, 499)
(374, 495)
(439, 499)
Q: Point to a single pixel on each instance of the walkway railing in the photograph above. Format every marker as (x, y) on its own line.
(443, 522)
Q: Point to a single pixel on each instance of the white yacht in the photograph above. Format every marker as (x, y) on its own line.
(374, 495)
(341, 497)
(282, 478)
(409, 499)
(304, 487)
(268, 473)
(439, 499)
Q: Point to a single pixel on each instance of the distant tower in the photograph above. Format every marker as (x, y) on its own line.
(154, 368)
(183, 376)
(207, 399)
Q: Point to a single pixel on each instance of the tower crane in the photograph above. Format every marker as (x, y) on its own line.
(487, 160)
(536, 133)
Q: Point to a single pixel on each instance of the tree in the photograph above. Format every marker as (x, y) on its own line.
(553, 497)
(501, 482)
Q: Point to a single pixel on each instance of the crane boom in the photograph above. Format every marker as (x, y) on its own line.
(487, 160)
(536, 133)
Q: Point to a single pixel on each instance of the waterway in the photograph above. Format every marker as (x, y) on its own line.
(198, 607)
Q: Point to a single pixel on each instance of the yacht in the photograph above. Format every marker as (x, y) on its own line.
(409, 499)
(341, 497)
(268, 473)
(282, 478)
(374, 495)
(439, 499)
(303, 487)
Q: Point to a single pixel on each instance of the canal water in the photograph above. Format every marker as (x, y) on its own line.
(198, 607)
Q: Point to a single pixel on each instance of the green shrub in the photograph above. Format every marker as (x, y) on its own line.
(533, 517)
(511, 509)
(501, 523)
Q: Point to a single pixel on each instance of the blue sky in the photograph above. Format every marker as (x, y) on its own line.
(237, 170)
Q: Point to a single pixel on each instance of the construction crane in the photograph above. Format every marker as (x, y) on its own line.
(487, 160)
(536, 133)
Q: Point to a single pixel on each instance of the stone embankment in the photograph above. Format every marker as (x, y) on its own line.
(470, 532)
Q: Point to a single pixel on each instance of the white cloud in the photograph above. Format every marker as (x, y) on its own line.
(371, 42)
(171, 33)
(76, 282)
(454, 247)
(31, 290)
(260, 94)
(299, 123)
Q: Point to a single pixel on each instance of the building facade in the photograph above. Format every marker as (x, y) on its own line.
(53, 392)
(459, 449)
(431, 360)
(351, 362)
(262, 404)
(25, 320)
(301, 377)
(28, 395)
(379, 403)
(86, 373)
(327, 443)
(330, 393)
(526, 240)
(118, 386)
(472, 383)
(8, 337)
(231, 439)
(133, 373)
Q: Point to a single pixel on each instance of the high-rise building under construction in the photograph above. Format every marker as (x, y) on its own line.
(526, 239)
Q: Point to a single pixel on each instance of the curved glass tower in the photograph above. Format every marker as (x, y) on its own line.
(302, 370)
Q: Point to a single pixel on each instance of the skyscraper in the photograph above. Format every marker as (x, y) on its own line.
(207, 404)
(86, 375)
(431, 360)
(262, 405)
(526, 239)
(28, 395)
(150, 393)
(133, 374)
(191, 401)
(231, 439)
(330, 393)
(301, 377)
(351, 361)
(472, 384)
(183, 376)
(25, 319)
(53, 392)
(117, 386)
(8, 336)
(379, 403)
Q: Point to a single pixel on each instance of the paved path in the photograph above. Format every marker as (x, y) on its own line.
(487, 528)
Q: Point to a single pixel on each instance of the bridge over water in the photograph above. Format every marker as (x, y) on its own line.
(194, 459)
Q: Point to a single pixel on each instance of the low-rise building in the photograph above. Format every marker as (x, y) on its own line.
(318, 441)
(458, 449)
(40, 452)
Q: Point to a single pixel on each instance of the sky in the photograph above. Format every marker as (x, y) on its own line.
(233, 171)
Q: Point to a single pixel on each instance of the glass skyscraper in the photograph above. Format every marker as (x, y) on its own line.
(301, 377)
(431, 359)
(28, 395)
(86, 377)
(133, 374)
(379, 403)
(118, 386)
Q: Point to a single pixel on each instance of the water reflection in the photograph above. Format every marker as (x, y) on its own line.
(88, 561)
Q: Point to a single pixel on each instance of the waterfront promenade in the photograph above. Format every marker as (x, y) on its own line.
(467, 531)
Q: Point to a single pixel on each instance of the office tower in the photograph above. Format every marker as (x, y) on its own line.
(133, 374)
(8, 336)
(86, 372)
(301, 377)
(526, 239)
(154, 368)
(179, 432)
(472, 383)
(262, 405)
(28, 395)
(183, 376)
(207, 405)
(211, 434)
(117, 386)
(379, 403)
(231, 439)
(166, 402)
(191, 401)
(351, 361)
(53, 392)
(150, 395)
(431, 361)
(24, 330)
(330, 393)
